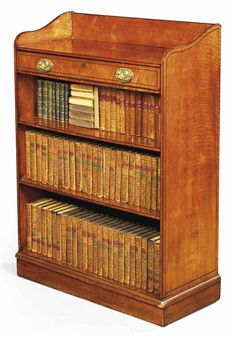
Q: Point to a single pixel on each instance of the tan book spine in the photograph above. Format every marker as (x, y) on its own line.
(54, 235)
(44, 232)
(154, 183)
(100, 177)
(95, 248)
(79, 242)
(69, 239)
(117, 101)
(28, 154)
(132, 260)
(144, 256)
(122, 111)
(49, 233)
(113, 106)
(78, 166)
(106, 171)
(137, 179)
(107, 109)
(131, 178)
(105, 271)
(33, 157)
(102, 105)
(157, 117)
(100, 250)
(126, 111)
(151, 118)
(72, 165)
(156, 266)
(34, 228)
(89, 168)
(127, 258)
(63, 238)
(112, 174)
(115, 254)
(56, 169)
(74, 242)
(89, 247)
(66, 164)
(138, 240)
(94, 169)
(84, 245)
(118, 175)
(150, 265)
(124, 176)
(51, 160)
(148, 181)
(121, 256)
(143, 181)
(39, 230)
(96, 108)
(45, 159)
(29, 226)
(144, 115)
(39, 156)
(158, 183)
(110, 253)
(61, 163)
(132, 113)
(58, 238)
(84, 167)
(138, 117)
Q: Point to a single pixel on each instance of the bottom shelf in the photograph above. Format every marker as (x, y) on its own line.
(137, 304)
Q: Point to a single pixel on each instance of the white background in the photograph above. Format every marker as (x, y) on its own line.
(29, 309)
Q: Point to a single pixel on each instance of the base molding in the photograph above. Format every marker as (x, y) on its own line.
(153, 310)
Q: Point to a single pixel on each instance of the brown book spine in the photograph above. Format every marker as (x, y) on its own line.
(39, 156)
(51, 160)
(95, 248)
(110, 253)
(72, 165)
(102, 105)
(105, 271)
(56, 169)
(66, 164)
(49, 232)
(118, 175)
(115, 254)
(122, 111)
(33, 157)
(69, 257)
(34, 228)
(84, 245)
(118, 102)
(132, 260)
(157, 117)
(151, 118)
(100, 249)
(89, 168)
(78, 166)
(154, 184)
(58, 238)
(158, 183)
(107, 109)
(44, 232)
(106, 172)
(28, 154)
(127, 258)
(113, 106)
(137, 179)
(143, 181)
(29, 226)
(74, 242)
(150, 265)
(138, 118)
(156, 268)
(144, 255)
(61, 163)
(94, 169)
(79, 243)
(84, 167)
(131, 178)
(121, 256)
(138, 240)
(89, 247)
(144, 115)
(124, 176)
(112, 174)
(54, 235)
(132, 113)
(63, 238)
(100, 177)
(39, 230)
(45, 159)
(148, 181)
(126, 111)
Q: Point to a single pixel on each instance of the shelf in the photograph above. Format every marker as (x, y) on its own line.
(93, 199)
(98, 135)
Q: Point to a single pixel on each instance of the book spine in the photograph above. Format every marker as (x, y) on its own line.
(144, 252)
(124, 176)
(138, 118)
(100, 249)
(122, 111)
(126, 111)
(84, 245)
(95, 248)
(112, 110)
(89, 169)
(115, 254)
(102, 105)
(84, 167)
(63, 238)
(39, 230)
(151, 118)
(143, 181)
(94, 170)
(117, 101)
(127, 257)
(157, 117)
(60, 163)
(44, 99)
(148, 181)
(39, 98)
(49, 232)
(150, 266)
(33, 157)
(118, 176)
(54, 235)
(132, 113)
(144, 115)
(49, 100)
(106, 171)
(138, 262)
(57, 101)
(100, 177)
(72, 166)
(66, 103)
(74, 242)
(28, 154)
(69, 241)
(110, 253)
(96, 108)
(105, 271)
(56, 168)
(156, 260)
(158, 183)
(58, 238)
(107, 109)
(112, 174)
(50, 161)
(44, 232)
(39, 156)
(53, 101)
(121, 258)
(34, 228)
(137, 179)
(61, 102)
(131, 178)
(154, 184)
(29, 226)
(79, 243)
(89, 247)
(44, 159)
(78, 166)
(132, 260)
(66, 164)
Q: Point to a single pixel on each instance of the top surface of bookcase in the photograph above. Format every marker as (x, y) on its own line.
(140, 41)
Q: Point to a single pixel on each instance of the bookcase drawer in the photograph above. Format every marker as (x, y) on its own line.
(95, 71)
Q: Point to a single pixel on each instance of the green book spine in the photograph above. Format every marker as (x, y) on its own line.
(57, 101)
(53, 101)
(49, 100)
(44, 99)
(39, 98)
(61, 102)
(66, 103)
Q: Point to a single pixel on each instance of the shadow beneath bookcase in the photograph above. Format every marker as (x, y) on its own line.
(9, 268)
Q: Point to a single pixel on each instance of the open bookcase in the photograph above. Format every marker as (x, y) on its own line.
(124, 212)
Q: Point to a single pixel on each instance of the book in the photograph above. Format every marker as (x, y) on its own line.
(66, 164)
(124, 176)
(61, 102)
(154, 185)
(66, 103)
(28, 154)
(144, 115)
(81, 101)
(33, 156)
(39, 98)
(126, 111)
(122, 112)
(118, 175)
(106, 171)
(72, 165)
(112, 174)
(44, 100)
(138, 116)
(132, 113)
(102, 108)
(44, 158)
(151, 117)
(39, 156)
(81, 87)
(49, 100)
(82, 94)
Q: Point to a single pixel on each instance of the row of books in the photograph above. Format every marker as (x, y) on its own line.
(84, 106)
(52, 100)
(131, 112)
(128, 177)
(107, 246)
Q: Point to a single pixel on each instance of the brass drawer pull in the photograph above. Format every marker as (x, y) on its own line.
(45, 65)
(124, 74)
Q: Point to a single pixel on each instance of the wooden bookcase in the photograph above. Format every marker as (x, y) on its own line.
(180, 61)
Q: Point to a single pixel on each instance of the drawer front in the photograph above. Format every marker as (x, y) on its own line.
(98, 71)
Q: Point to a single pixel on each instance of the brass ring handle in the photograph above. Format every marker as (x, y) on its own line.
(124, 74)
(45, 65)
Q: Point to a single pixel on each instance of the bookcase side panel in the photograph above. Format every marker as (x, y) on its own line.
(190, 109)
